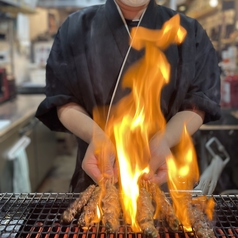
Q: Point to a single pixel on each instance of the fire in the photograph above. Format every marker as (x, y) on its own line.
(183, 173)
(98, 214)
(207, 204)
(138, 116)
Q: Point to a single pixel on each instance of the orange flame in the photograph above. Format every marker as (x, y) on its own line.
(207, 204)
(210, 208)
(183, 174)
(138, 116)
(97, 217)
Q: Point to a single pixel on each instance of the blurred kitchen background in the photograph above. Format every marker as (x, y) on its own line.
(45, 158)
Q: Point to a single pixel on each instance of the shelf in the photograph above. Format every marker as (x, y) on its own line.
(203, 13)
(69, 3)
(6, 45)
(15, 10)
(10, 2)
(14, 7)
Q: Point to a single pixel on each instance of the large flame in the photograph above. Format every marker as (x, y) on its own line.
(183, 174)
(138, 116)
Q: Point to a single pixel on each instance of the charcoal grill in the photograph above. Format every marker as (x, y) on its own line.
(35, 215)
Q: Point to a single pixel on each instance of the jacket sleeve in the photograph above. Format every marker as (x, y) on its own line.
(204, 90)
(59, 76)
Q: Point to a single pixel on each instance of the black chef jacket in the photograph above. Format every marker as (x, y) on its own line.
(87, 55)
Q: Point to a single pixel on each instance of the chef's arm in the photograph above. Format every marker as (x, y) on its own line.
(160, 147)
(76, 119)
(99, 158)
(174, 128)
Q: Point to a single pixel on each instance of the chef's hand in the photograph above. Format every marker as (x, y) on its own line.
(159, 150)
(99, 159)
(100, 155)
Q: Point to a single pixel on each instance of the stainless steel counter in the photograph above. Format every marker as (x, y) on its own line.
(20, 124)
(18, 110)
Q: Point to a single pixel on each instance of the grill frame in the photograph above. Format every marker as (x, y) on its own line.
(33, 215)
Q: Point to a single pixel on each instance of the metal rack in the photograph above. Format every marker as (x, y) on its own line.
(38, 215)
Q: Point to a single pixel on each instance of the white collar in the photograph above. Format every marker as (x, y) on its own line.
(124, 21)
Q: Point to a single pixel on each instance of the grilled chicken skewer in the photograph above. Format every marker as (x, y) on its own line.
(89, 214)
(75, 207)
(145, 212)
(111, 206)
(164, 209)
(199, 221)
(107, 194)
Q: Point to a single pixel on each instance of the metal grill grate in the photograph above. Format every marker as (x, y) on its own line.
(37, 215)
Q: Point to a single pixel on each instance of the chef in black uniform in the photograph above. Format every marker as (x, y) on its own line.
(84, 65)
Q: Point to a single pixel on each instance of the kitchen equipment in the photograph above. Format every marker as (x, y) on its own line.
(20, 166)
(4, 93)
(230, 92)
(38, 215)
(210, 176)
(4, 57)
(21, 144)
(215, 148)
(7, 86)
(4, 123)
(41, 51)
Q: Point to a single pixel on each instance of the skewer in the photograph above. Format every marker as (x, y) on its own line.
(198, 221)
(86, 218)
(164, 209)
(108, 194)
(111, 206)
(145, 213)
(75, 207)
